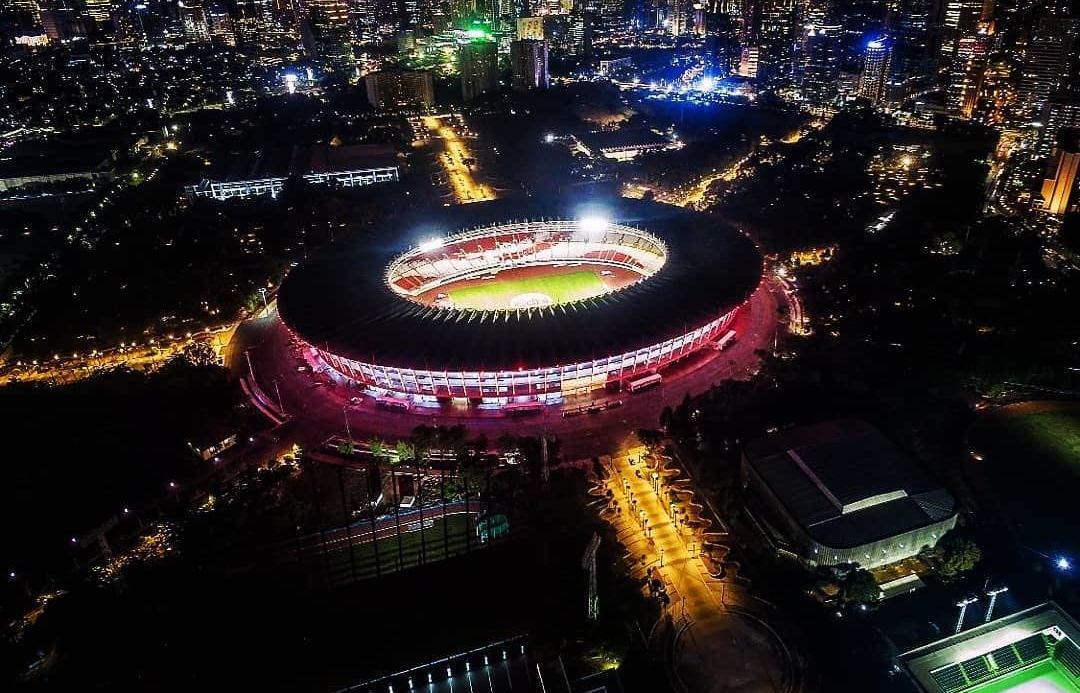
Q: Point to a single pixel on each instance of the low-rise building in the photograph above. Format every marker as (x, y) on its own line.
(840, 492)
(265, 172)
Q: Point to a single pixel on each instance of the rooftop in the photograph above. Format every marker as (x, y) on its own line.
(282, 162)
(846, 484)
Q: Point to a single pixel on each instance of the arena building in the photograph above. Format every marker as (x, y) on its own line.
(840, 492)
(1032, 651)
(521, 302)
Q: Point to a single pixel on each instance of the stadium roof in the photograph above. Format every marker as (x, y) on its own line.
(339, 300)
(282, 162)
(846, 484)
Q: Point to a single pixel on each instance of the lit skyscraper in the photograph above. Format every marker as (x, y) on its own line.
(1045, 65)
(818, 67)
(478, 63)
(875, 72)
(529, 64)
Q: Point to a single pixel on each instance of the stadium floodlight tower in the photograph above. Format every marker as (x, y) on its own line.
(593, 224)
(963, 604)
(993, 594)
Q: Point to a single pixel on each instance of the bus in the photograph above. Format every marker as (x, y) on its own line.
(521, 408)
(727, 340)
(644, 382)
(393, 403)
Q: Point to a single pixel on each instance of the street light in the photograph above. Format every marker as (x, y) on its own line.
(661, 557)
(1063, 563)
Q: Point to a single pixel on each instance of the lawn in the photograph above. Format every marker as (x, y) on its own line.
(1032, 464)
(1057, 432)
(562, 288)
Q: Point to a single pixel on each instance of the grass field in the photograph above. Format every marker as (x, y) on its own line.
(1032, 464)
(1056, 432)
(562, 288)
(1044, 678)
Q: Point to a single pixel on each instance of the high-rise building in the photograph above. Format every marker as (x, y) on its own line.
(329, 21)
(1045, 65)
(220, 22)
(966, 75)
(478, 63)
(1062, 111)
(748, 62)
(394, 88)
(529, 64)
(875, 71)
(818, 68)
(776, 38)
(193, 18)
(530, 28)
(1059, 186)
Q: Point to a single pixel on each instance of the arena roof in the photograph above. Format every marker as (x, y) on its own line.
(339, 300)
(846, 484)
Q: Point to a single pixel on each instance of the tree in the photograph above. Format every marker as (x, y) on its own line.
(859, 587)
(956, 555)
(650, 438)
(200, 354)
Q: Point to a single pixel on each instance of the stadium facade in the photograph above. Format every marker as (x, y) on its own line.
(384, 317)
(1032, 650)
(840, 492)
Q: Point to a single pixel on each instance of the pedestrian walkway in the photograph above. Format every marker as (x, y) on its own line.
(721, 643)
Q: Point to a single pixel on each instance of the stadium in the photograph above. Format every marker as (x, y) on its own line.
(1032, 651)
(521, 302)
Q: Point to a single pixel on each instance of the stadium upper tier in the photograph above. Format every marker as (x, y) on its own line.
(364, 299)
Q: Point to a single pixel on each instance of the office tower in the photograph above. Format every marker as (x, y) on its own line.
(479, 66)
(392, 88)
(1059, 185)
(1062, 111)
(221, 24)
(530, 28)
(776, 38)
(966, 75)
(529, 64)
(60, 20)
(914, 62)
(748, 62)
(818, 67)
(100, 11)
(875, 71)
(329, 21)
(193, 19)
(1046, 62)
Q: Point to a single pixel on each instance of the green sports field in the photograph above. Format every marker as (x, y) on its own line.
(1043, 678)
(497, 293)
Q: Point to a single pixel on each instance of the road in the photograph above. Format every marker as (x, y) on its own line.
(457, 160)
(261, 351)
(723, 639)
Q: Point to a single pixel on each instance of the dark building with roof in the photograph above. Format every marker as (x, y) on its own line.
(264, 172)
(840, 492)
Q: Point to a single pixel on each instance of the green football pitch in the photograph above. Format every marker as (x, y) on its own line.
(561, 288)
(1042, 678)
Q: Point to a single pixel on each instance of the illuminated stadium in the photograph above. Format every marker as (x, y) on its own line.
(522, 302)
(1033, 651)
